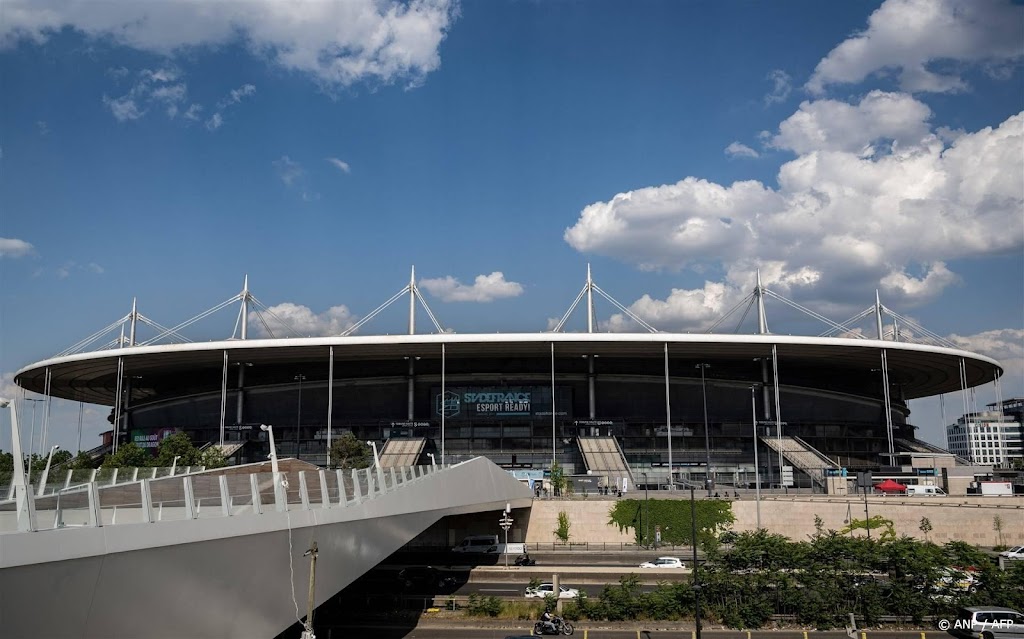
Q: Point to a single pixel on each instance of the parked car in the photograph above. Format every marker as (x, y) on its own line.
(1017, 552)
(986, 622)
(543, 590)
(663, 562)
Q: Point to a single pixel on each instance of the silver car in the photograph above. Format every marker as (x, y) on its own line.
(986, 622)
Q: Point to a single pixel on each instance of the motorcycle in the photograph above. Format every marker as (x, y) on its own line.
(561, 627)
(524, 560)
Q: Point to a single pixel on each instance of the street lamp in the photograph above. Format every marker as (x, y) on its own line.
(174, 464)
(506, 522)
(696, 584)
(431, 456)
(298, 420)
(647, 510)
(376, 459)
(757, 467)
(707, 437)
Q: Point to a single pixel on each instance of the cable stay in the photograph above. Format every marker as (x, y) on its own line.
(589, 288)
(414, 295)
(748, 300)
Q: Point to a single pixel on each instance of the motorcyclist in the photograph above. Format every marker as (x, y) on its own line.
(549, 621)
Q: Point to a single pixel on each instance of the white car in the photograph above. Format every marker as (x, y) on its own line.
(663, 562)
(544, 590)
(1017, 552)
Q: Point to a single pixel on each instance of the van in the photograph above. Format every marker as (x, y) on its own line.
(478, 543)
(488, 544)
(925, 491)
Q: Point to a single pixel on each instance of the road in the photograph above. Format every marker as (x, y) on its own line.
(637, 632)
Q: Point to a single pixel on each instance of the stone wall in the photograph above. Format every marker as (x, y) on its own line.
(968, 519)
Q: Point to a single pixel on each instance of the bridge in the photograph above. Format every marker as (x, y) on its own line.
(216, 554)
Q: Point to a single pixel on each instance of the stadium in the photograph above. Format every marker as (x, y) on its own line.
(615, 405)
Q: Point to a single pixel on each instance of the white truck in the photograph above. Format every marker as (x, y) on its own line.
(996, 488)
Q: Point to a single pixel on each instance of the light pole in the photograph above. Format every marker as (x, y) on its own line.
(708, 481)
(280, 482)
(696, 584)
(647, 510)
(506, 522)
(174, 464)
(376, 459)
(298, 420)
(431, 456)
(757, 467)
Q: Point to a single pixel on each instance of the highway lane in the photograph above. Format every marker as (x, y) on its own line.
(635, 632)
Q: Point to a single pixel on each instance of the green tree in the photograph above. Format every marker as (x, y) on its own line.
(562, 532)
(81, 461)
(177, 445)
(558, 479)
(925, 527)
(349, 452)
(212, 457)
(128, 455)
(6, 462)
(997, 525)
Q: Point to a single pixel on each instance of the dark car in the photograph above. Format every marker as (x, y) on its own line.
(422, 579)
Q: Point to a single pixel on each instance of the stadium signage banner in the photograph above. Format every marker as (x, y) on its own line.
(499, 402)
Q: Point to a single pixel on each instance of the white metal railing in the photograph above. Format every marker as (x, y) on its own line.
(149, 500)
(57, 482)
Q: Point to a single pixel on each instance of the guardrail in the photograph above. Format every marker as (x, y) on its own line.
(199, 497)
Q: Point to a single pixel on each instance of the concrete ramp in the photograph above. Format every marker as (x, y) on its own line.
(917, 446)
(402, 451)
(603, 456)
(803, 456)
(233, 567)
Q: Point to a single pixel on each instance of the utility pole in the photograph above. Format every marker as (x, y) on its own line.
(307, 626)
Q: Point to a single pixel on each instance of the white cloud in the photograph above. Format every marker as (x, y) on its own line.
(123, 108)
(193, 112)
(157, 87)
(830, 125)
(740, 150)
(11, 247)
(288, 170)
(912, 35)
(339, 42)
(43, 128)
(841, 218)
(69, 268)
(340, 165)
(304, 321)
(215, 122)
(782, 84)
(236, 95)
(485, 288)
(1004, 345)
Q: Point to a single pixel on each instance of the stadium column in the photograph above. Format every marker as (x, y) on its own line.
(223, 396)
(668, 422)
(330, 400)
(553, 445)
(442, 398)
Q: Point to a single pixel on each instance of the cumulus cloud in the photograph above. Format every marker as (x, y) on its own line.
(1004, 345)
(740, 150)
(304, 321)
(911, 36)
(830, 125)
(338, 42)
(782, 84)
(215, 122)
(485, 288)
(843, 218)
(340, 165)
(13, 248)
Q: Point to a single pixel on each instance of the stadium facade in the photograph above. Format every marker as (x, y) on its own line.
(526, 399)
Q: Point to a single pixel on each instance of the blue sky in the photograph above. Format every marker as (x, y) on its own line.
(164, 150)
